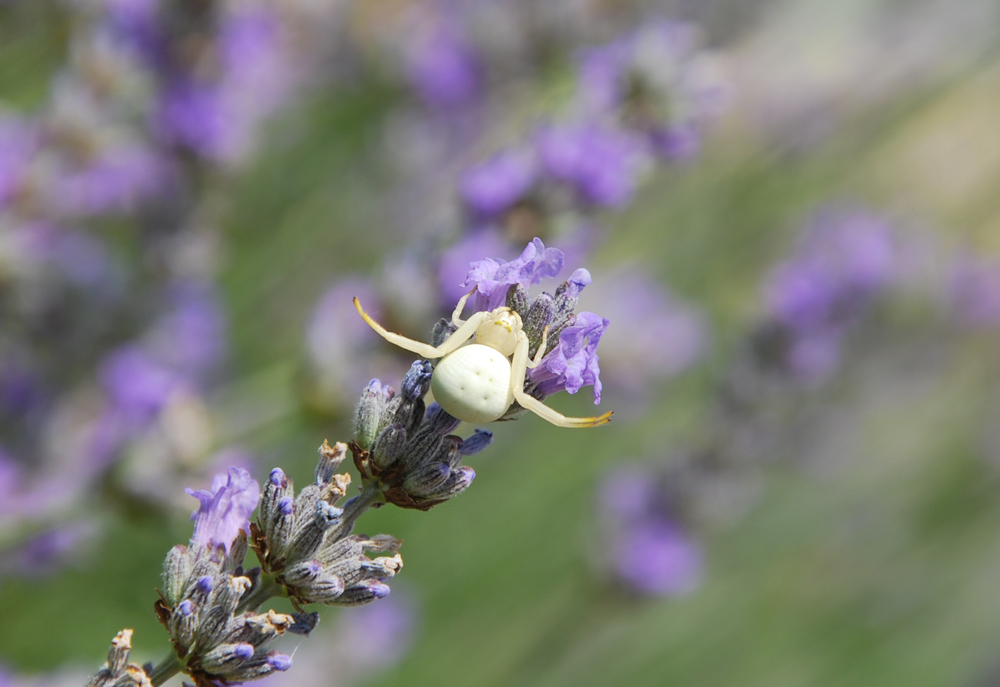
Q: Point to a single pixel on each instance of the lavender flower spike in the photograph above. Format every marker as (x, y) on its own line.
(225, 510)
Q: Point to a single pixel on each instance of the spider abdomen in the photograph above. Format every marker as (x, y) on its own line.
(473, 383)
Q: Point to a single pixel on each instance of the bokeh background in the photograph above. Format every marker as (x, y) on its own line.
(790, 209)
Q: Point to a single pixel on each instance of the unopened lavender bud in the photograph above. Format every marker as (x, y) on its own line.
(302, 573)
(225, 658)
(458, 481)
(277, 488)
(426, 479)
(183, 623)
(517, 299)
(362, 594)
(538, 317)
(204, 584)
(330, 459)
(322, 590)
(440, 421)
(479, 441)
(279, 662)
(417, 380)
(310, 536)
(277, 478)
(369, 417)
(389, 446)
(238, 551)
(282, 525)
(228, 594)
(176, 571)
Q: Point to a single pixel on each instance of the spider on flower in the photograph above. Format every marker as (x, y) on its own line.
(483, 366)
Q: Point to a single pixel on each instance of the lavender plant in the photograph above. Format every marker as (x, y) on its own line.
(406, 455)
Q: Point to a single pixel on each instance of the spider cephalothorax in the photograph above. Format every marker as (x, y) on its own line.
(482, 367)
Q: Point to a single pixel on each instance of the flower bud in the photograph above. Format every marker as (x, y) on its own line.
(369, 418)
(388, 446)
(479, 441)
(176, 571)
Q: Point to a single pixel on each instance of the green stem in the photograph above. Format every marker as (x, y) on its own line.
(165, 670)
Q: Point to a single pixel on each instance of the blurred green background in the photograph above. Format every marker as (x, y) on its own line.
(877, 563)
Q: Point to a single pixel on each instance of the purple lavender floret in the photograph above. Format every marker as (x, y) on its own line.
(574, 363)
(492, 277)
(495, 186)
(602, 164)
(225, 510)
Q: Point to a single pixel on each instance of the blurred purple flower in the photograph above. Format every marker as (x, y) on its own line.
(225, 510)
(117, 180)
(190, 115)
(602, 164)
(493, 187)
(79, 257)
(19, 141)
(573, 364)
(657, 557)
(651, 80)
(443, 67)
(844, 259)
(191, 335)
(47, 552)
(493, 277)
(138, 385)
(974, 291)
(648, 549)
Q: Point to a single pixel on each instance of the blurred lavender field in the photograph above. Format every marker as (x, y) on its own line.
(790, 216)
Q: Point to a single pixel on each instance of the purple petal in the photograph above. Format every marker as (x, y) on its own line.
(492, 278)
(225, 510)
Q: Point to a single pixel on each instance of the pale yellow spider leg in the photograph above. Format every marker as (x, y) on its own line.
(456, 317)
(519, 367)
(540, 353)
(453, 342)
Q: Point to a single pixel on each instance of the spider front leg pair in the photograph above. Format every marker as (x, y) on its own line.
(477, 381)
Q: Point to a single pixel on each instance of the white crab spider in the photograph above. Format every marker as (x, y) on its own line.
(477, 381)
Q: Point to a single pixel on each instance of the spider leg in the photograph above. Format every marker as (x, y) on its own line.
(519, 367)
(456, 317)
(540, 353)
(453, 342)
